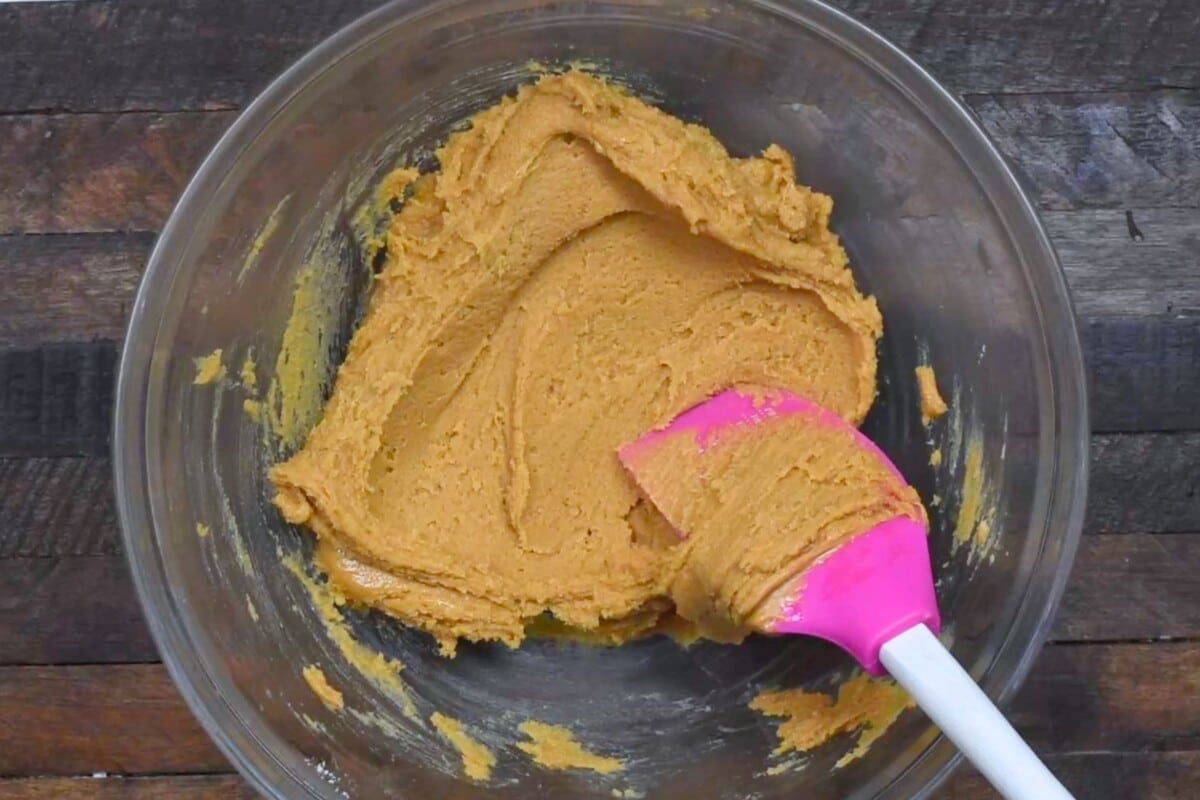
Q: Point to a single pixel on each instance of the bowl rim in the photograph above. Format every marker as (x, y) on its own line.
(224, 717)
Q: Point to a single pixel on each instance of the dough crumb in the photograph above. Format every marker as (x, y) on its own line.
(786, 766)
(249, 374)
(253, 611)
(209, 369)
(555, 747)
(202, 530)
(935, 458)
(932, 404)
(864, 706)
(317, 681)
(253, 409)
(628, 794)
(477, 759)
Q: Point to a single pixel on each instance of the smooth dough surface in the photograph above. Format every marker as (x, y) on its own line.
(582, 268)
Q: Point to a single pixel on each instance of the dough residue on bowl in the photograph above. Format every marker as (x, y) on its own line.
(209, 369)
(863, 706)
(478, 761)
(582, 268)
(321, 687)
(932, 404)
(555, 747)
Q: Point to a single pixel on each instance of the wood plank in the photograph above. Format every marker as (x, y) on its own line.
(144, 54)
(80, 286)
(196, 54)
(1121, 698)
(1096, 776)
(64, 610)
(1132, 586)
(80, 720)
(1144, 483)
(57, 507)
(82, 609)
(56, 399)
(129, 719)
(179, 787)
(70, 173)
(1152, 272)
(99, 172)
(68, 288)
(1100, 150)
(70, 611)
(1037, 46)
(1101, 776)
(1140, 483)
(1145, 373)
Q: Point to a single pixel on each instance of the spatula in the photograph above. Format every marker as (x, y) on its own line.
(873, 596)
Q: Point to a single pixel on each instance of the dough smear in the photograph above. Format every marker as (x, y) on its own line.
(582, 268)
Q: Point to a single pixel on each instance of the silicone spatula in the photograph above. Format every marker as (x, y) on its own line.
(873, 596)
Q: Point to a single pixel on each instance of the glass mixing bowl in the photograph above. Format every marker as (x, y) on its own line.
(936, 228)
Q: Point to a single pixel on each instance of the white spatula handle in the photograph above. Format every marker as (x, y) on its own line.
(919, 662)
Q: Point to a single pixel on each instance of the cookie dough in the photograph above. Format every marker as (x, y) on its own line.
(932, 404)
(582, 268)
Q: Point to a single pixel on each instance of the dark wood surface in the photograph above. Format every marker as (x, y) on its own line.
(107, 107)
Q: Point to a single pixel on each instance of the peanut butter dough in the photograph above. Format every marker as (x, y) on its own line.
(582, 268)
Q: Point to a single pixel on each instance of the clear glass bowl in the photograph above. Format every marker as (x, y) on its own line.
(936, 227)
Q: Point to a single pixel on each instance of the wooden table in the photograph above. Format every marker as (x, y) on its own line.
(106, 107)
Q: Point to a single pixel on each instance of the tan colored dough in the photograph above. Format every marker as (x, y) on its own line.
(582, 268)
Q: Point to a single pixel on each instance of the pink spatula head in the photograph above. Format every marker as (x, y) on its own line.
(859, 595)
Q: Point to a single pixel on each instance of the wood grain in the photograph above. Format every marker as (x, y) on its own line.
(180, 787)
(68, 288)
(56, 399)
(57, 507)
(1140, 483)
(1114, 274)
(98, 172)
(1132, 586)
(197, 54)
(145, 54)
(129, 719)
(1100, 150)
(1145, 776)
(70, 611)
(1144, 483)
(1119, 698)
(1037, 46)
(1136, 776)
(71, 173)
(1145, 372)
(82, 610)
(79, 720)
